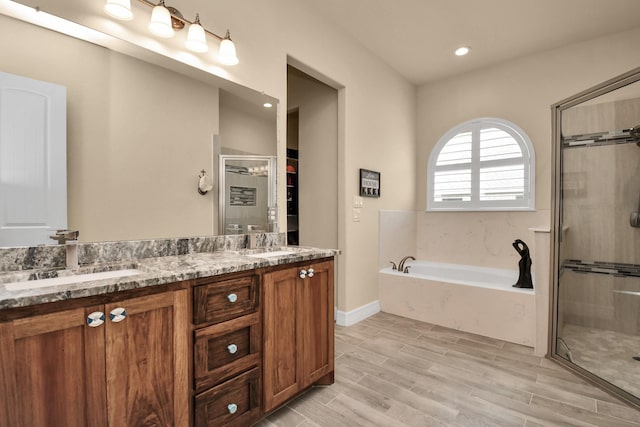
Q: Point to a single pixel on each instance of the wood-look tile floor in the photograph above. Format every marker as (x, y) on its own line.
(393, 371)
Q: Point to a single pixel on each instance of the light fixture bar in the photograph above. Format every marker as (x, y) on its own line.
(181, 19)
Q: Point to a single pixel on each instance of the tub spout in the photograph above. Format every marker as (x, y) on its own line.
(402, 261)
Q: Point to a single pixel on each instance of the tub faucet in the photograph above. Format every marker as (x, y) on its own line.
(402, 261)
(393, 265)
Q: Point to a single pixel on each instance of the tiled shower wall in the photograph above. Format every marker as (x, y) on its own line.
(600, 251)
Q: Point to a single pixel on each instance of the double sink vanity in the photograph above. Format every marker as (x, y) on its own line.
(183, 338)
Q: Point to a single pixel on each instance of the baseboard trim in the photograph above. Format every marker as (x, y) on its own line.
(354, 316)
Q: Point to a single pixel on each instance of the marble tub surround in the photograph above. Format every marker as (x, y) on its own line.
(158, 271)
(53, 256)
(397, 235)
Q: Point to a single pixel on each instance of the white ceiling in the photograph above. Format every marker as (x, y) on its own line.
(418, 37)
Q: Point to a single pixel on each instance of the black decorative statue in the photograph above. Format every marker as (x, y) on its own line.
(524, 280)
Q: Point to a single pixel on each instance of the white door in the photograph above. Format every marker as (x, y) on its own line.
(33, 160)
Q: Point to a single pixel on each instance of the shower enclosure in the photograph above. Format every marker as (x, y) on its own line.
(596, 298)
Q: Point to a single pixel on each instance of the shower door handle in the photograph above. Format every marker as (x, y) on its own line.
(634, 220)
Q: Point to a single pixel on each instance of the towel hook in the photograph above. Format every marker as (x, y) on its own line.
(204, 184)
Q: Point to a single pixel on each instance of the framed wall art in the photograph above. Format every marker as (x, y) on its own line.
(369, 183)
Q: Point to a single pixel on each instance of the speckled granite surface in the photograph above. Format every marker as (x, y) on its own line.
(153, 271)
(53, 256)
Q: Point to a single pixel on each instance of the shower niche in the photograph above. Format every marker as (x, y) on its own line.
(596, 298)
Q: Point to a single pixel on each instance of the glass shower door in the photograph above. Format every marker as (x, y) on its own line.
(597, 283)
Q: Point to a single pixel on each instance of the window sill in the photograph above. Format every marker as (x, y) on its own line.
(479, 209)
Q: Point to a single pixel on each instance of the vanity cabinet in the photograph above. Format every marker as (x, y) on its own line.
(214, 351)
(298, 330)
(227, 350)
(128, 366)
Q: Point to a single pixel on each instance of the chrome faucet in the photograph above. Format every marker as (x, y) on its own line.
(69, 238)
(62, 236)
(401, 266)
(253, 240)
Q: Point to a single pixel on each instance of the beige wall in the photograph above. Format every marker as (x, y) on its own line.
(521, 91)
(247, 133)
(133, 157)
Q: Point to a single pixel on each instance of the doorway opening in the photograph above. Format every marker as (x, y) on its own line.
(312, 161)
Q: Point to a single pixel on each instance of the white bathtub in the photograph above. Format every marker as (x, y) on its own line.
(473, 299)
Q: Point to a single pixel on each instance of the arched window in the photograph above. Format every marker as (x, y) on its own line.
(482, 164)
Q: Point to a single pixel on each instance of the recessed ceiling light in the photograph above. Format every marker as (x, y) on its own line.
(462, 51)
(267, 105)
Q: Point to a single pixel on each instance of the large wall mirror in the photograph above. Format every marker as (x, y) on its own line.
(139, 134)
(597, 234)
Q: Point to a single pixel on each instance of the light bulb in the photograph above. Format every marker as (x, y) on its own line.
(462, 51)
(196, 38)
(160, 23)
(227, 52)
(119, 9)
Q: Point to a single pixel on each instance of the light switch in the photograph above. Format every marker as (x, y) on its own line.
(356, 215)
(358, 202)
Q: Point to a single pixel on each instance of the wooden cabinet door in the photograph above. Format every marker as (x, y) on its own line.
(52, 371)
(315, 323)
(147, 361)
(280, 361)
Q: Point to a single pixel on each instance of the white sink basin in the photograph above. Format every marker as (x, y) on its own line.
(68, 280)
(271, 254)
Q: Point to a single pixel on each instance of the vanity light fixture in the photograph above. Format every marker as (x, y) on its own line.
(267, 105)
(160, 23)
(165, 20)
(462, 51)
(119, 9)
(227, 53)
(196, 38)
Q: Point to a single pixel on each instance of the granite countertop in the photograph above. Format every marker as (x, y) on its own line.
(151, 272)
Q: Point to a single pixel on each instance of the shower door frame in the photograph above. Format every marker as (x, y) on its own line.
(556, 230)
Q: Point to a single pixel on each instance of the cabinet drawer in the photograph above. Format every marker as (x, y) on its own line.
(227, 299)
(225, 349)
(233, 403)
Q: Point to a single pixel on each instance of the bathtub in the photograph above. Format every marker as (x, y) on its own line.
(468, 298)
